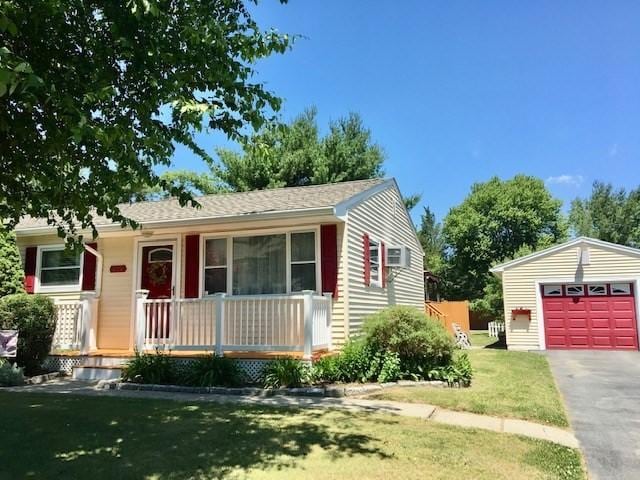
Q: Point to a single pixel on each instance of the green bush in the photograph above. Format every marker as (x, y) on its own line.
(459, 371)
(10, 375)
(420, 342)
(213, 371)
(285, 372)
(390, 369)
(34, 318)
(326, 370)
(156, 368)
(355, 362)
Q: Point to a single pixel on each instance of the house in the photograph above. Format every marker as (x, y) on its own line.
(581, 294)
(248, 274)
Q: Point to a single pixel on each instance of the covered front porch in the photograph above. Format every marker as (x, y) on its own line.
(296, 324)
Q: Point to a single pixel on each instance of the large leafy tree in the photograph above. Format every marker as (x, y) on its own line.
(432, 240)
(296, 155)
(11, 274)
(94, 95)
(609, 214)
(496, 221)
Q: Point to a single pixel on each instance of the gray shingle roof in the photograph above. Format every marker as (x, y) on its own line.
(234, 204)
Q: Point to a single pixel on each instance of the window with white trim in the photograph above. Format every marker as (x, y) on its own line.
(215, 266)
(597, 290)
(575, 290)
(60, 267)
(303, 261)
(160, 255)
(552, 290)
(374, 263)
(620, 289)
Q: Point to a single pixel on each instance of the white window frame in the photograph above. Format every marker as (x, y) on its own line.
(39, 288)
(596, 294)
(627, 285)
(377, 282)
(160, 249)
(211, 267)
(302, 262)
(552, 287)
(256, 233)
(582, 294)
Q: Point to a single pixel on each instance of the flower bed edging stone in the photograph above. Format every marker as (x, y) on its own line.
(38, 379)
(335, 390)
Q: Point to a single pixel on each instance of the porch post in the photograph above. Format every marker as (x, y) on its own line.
(141, 318)
(308, 324)
(88, 322)
(219, 322)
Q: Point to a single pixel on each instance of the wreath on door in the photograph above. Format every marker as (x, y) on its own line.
(157, 272)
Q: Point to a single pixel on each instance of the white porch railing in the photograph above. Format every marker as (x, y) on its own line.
(495, 328)
(297, 322)
(76, 324)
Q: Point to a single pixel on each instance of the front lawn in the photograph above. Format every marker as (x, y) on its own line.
(505, 384)
(52, 436)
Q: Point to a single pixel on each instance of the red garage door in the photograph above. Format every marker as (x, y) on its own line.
(590, 316)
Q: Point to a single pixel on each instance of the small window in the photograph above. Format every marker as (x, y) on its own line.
(620, 289)
(59, 267)
(595, 290)
(303, 261)
(374, 263)
(159, 255)
(552, 290)
(575, 290)
(215, 266)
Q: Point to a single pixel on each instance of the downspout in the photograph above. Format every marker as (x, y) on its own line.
(99, 261)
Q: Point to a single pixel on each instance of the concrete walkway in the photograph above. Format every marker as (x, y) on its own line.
(416, 410)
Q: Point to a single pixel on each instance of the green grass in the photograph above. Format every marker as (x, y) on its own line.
(56, 436)
(480, 338)
(505, 384)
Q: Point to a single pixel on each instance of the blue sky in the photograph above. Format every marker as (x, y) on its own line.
(456, 92)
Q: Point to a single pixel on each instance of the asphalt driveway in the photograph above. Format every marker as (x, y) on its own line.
(601, 390)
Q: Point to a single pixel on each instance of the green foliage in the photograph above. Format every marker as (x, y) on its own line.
(432, 241)
(213, 371)
(285, 372)
(85, 124)
(295, 155)
(459, 371)
(326, 369)
(195, 183)
(11, 273)
(355, 362)
(496, 220)
(420, 342)
(391, 369)
(156, 368)
(608, 214)
(10, 374)
(34, 318)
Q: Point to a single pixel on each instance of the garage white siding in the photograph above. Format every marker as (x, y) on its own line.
(383, 217)
(519, 284)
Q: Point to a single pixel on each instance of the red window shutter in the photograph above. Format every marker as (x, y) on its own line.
(383, 265)
(367, 259)
(89, 269)
(192, 266)
(30, 256)
(329, 258)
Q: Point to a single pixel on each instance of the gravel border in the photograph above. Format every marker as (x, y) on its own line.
(349, 390)
(38, 379)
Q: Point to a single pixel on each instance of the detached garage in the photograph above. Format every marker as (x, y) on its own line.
(582, 294)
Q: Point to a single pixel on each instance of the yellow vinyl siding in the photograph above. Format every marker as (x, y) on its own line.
(115, 307)
(384, 218)
(519, 284)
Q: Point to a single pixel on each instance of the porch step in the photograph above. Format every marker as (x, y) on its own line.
(96, 373)
(104, 361)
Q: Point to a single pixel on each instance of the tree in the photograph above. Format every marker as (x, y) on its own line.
(495, 222)
(94, 95)
(294, 155)
(608, 214)
(11, 274)
(430, 235)
(193, 182)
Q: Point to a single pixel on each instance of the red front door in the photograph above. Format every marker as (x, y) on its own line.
(157, 271)
(590, 316)
(157, 277)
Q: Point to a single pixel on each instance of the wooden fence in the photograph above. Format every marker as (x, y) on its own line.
(450, 312)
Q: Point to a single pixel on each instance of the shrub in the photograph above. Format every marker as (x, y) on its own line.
(420, 342)
(213, 371)
(34, 318)
(458, 371)
(10, 375)
(285, 372)
(326, 370)
(355, 362)
(155, 368)
(390, 370)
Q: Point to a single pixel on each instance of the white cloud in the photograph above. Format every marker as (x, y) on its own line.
(565, 179)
